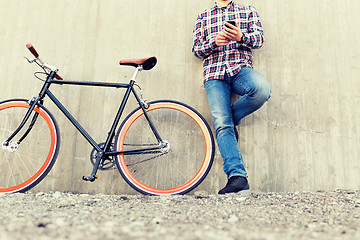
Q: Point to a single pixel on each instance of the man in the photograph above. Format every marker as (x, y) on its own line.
(227, 63)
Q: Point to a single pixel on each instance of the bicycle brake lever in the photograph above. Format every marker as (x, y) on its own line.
(30, 61)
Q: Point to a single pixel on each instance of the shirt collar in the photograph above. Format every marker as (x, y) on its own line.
(229, 4)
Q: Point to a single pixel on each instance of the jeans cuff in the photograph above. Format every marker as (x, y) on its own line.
(237, 175)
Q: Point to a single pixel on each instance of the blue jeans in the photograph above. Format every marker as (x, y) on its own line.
(255, 91)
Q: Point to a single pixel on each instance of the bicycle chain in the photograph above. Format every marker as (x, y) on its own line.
(109, 162)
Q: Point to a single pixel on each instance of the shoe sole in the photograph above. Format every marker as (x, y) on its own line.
(244, 191)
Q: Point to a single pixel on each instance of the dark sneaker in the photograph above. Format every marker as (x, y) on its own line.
(236, 184)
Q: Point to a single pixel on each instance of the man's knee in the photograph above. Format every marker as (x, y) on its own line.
(261, 91)
(264, 92)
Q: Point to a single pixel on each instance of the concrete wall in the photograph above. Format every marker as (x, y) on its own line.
(305, 138)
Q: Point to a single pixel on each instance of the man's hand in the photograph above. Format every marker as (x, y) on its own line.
(221, 40)
(231, 32)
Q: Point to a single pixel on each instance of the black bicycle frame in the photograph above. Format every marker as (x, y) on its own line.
(105, 151)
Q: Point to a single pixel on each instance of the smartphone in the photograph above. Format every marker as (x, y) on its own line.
(231, 22)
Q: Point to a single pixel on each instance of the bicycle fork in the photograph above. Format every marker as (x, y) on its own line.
(12, 146)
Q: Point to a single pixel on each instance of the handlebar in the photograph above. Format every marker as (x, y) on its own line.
(43, 65)
(32, 50)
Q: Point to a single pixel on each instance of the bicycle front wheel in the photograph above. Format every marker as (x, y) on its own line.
(178, 168)
(25, 164)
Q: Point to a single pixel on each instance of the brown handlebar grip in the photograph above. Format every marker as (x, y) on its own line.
(32, 50)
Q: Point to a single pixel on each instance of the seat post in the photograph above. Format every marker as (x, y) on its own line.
(137, 70)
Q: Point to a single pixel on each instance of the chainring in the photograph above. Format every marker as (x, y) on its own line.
(107, 163)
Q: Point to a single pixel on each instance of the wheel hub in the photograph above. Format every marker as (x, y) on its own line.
(165, 147)
(10, 147)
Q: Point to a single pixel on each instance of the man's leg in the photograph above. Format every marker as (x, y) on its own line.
(219, 97)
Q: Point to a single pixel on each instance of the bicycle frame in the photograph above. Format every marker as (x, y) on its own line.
(105, 151)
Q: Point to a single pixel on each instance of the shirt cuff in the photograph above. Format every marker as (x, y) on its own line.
(243, 39)
(213, 44)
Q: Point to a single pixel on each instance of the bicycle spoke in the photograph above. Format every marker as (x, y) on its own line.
(145, 160)
(23, 161)
(11, 174)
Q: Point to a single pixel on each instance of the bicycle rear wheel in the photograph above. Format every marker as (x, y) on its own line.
(176, 170)
(24, 165)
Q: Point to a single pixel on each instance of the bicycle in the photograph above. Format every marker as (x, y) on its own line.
(161, 147)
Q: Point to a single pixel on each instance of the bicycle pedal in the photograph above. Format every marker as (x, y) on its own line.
(89, 178)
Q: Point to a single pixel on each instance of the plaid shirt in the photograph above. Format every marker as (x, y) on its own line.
(236, 55)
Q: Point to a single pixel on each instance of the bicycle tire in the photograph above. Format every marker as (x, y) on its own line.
(26, 166)
(186, 164)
